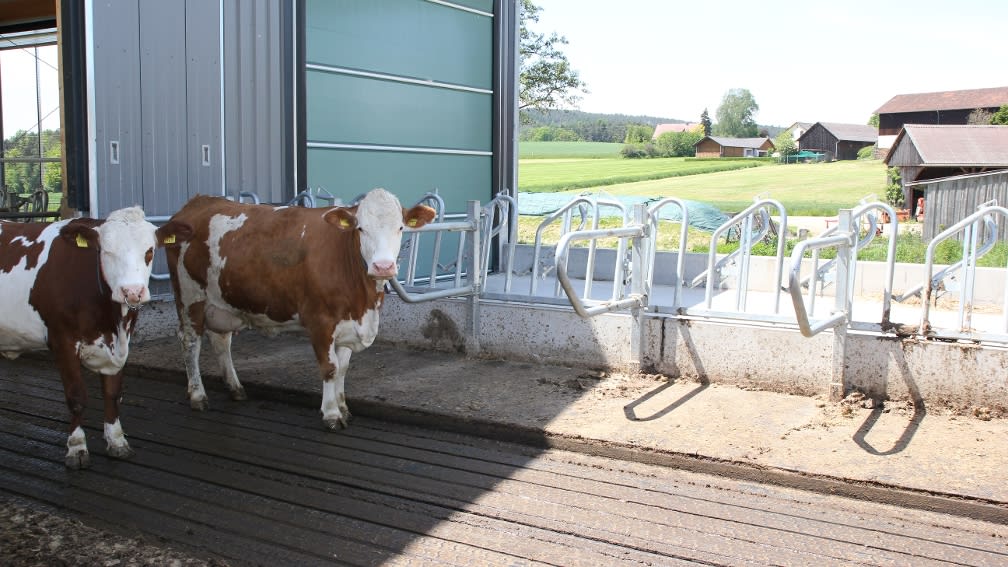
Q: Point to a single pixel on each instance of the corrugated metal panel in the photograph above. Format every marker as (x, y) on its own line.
(163, 106)
(203, 86)
(257, 88)
(157, 101)
(117, 162)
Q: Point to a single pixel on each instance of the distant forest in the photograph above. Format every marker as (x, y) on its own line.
(596, 127)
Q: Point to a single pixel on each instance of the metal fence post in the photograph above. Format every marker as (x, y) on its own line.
(639, 268)
(475, 269)
(844, 281)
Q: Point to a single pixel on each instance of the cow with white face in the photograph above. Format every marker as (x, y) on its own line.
(75, 286)
(281, 268)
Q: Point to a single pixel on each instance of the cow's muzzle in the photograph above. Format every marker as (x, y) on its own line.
(383, 270)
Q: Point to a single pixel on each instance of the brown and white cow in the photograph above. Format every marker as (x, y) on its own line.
(283, 268)
(74, 286)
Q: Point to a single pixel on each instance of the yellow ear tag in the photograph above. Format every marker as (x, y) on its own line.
(170, 239)
(81, 242)
(411, 223)
(344, 223)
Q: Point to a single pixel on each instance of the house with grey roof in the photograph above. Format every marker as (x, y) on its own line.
(923, 151)
(937, 108)
(720, 147)
(838, 141)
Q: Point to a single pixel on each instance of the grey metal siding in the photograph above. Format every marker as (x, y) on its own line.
(163, 105)
(203, 87)
(257, 98)
(116, 33)
(157, 99)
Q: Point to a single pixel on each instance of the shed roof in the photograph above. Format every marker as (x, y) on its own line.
(738, 142)
(946, 100)
(954, 145)
(848, 132)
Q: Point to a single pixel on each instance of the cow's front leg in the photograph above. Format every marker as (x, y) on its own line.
(335, 413)
(114, 436)
(191, 343)
(75, 392)
(221, 344)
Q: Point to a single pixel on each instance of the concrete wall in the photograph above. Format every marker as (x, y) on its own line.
(956, 375)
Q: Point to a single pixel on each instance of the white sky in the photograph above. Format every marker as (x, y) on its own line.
(802, 61)
(17, 79)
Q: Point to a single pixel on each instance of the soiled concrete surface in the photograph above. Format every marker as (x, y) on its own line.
(928, 450)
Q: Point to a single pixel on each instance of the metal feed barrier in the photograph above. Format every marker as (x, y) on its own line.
(592, 280)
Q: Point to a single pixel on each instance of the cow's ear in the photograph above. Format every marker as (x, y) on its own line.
(418, 216)
(342, 218)
(80, 235)
(174, 233)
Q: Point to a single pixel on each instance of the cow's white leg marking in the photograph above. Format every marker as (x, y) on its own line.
(77, 456)
(221, 343)
(335, 413)
(191, 343)
(116, 439)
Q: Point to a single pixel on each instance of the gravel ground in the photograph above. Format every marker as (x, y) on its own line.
(34, 535)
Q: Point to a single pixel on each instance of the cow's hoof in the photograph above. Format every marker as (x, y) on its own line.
(78, 460)
(201, 404)
(337, 424)
(238, 394)
(120, 452)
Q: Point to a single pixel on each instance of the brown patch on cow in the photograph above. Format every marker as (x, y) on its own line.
(12, 253)
(78, 307)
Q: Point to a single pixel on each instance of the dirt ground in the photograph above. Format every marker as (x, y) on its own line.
(31, 535)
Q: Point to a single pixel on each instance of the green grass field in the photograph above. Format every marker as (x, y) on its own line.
(814, 189)
(553, 175)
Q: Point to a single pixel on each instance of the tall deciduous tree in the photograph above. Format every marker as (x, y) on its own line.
(736, 117)
(546, 79)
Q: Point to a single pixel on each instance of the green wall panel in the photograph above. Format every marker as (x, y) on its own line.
(409, 38)
(359, 110)
(348, 173)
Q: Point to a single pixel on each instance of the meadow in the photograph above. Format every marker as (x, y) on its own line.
(810, 189)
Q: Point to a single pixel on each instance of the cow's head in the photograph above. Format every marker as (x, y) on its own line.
(125, 242)
(379, 219)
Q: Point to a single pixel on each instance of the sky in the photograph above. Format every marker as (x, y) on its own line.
(17, 79)
(802, 61)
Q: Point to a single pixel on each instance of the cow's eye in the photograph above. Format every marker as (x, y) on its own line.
(149, 256)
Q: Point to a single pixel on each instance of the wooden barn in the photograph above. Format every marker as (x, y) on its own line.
(838, 141)
(719, 147)
(939, 108)
(952, 168)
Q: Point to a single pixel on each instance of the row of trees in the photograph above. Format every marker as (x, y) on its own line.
(26, 177)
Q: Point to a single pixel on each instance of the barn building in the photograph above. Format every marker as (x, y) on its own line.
(721, 147)
(837, 141)
(953, 168)
(165, 100)
(937, 108)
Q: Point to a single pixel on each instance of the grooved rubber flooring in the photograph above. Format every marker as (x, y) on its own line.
(261, 482)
